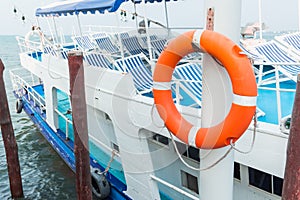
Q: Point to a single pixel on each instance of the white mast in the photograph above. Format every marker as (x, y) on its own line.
(217, 182)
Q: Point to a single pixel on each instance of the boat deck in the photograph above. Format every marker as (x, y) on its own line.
(266, 102)
(187, 84)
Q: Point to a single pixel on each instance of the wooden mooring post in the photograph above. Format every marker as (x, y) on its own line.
(291, 183)
(10, 144)
(79, 115)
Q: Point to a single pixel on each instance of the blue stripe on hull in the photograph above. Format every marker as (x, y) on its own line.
(65, 151)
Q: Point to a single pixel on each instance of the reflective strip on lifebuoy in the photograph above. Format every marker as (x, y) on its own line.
(242, 78)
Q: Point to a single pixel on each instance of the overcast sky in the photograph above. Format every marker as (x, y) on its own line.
(277, 14)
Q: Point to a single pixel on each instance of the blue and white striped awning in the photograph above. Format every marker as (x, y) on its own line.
(83, 6)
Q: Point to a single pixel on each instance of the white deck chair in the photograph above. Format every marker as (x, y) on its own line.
(98, 60)
(189, 77)
(99, 35)
(291, 40)
(50, 50)
(273, 53)
(105, 44)
(133, 46)
(250, 54)
(158, 45)
(62, 53)
(141, 75)
(84, 42)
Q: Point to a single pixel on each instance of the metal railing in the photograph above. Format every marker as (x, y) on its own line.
(277, 79)
(28, 45)
(169, 185)
(67, 122)
(22, 88)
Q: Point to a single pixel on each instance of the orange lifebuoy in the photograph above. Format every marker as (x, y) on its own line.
(242, 78)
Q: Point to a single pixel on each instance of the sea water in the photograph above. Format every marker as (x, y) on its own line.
(44, 174)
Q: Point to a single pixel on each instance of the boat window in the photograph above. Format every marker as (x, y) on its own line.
(188, 151)
(189, 181)
(161, 139)
(237, 172)
(260, 179)
(193, 153)
(277, 185)
(265, 181)
(182, 148)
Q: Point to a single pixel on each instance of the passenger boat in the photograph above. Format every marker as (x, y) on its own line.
(172, 112)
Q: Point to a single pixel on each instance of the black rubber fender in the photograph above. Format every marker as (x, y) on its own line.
(100, 185)
(19, 105)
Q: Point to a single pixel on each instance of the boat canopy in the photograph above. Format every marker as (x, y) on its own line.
(83, 6)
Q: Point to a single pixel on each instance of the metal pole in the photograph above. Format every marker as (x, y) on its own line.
(79, 115)
(278, 95)
(167, 18)
(55, 29)
(10, 144)
(219, 12)
(291, 183)
(147, 32)
(79, 25)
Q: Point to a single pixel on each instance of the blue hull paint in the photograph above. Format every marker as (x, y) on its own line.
(65, 150)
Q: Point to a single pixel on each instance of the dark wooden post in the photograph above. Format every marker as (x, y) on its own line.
(291, 183)
(79, 115)
(10, 144)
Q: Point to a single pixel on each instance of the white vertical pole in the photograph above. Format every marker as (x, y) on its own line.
(260, 74)
(79, 24)
(167, 17)
(147, 33)
(120, 41)
(278, 95)
(55, 29)
(217, 182)
(260, 19)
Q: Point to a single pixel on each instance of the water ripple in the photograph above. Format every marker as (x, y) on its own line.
(44, 174)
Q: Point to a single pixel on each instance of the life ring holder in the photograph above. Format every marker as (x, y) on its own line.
(242, 78)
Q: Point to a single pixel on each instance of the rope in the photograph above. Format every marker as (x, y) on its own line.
(253, 139)
(222, 157)
(194, 168)
(113, 153)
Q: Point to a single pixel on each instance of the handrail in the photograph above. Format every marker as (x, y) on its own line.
(280, 89)
(36, 95)
(22, 84)
(68, 121)
(28, 46)
(19, 83)
(174, 187)
(277, 63)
